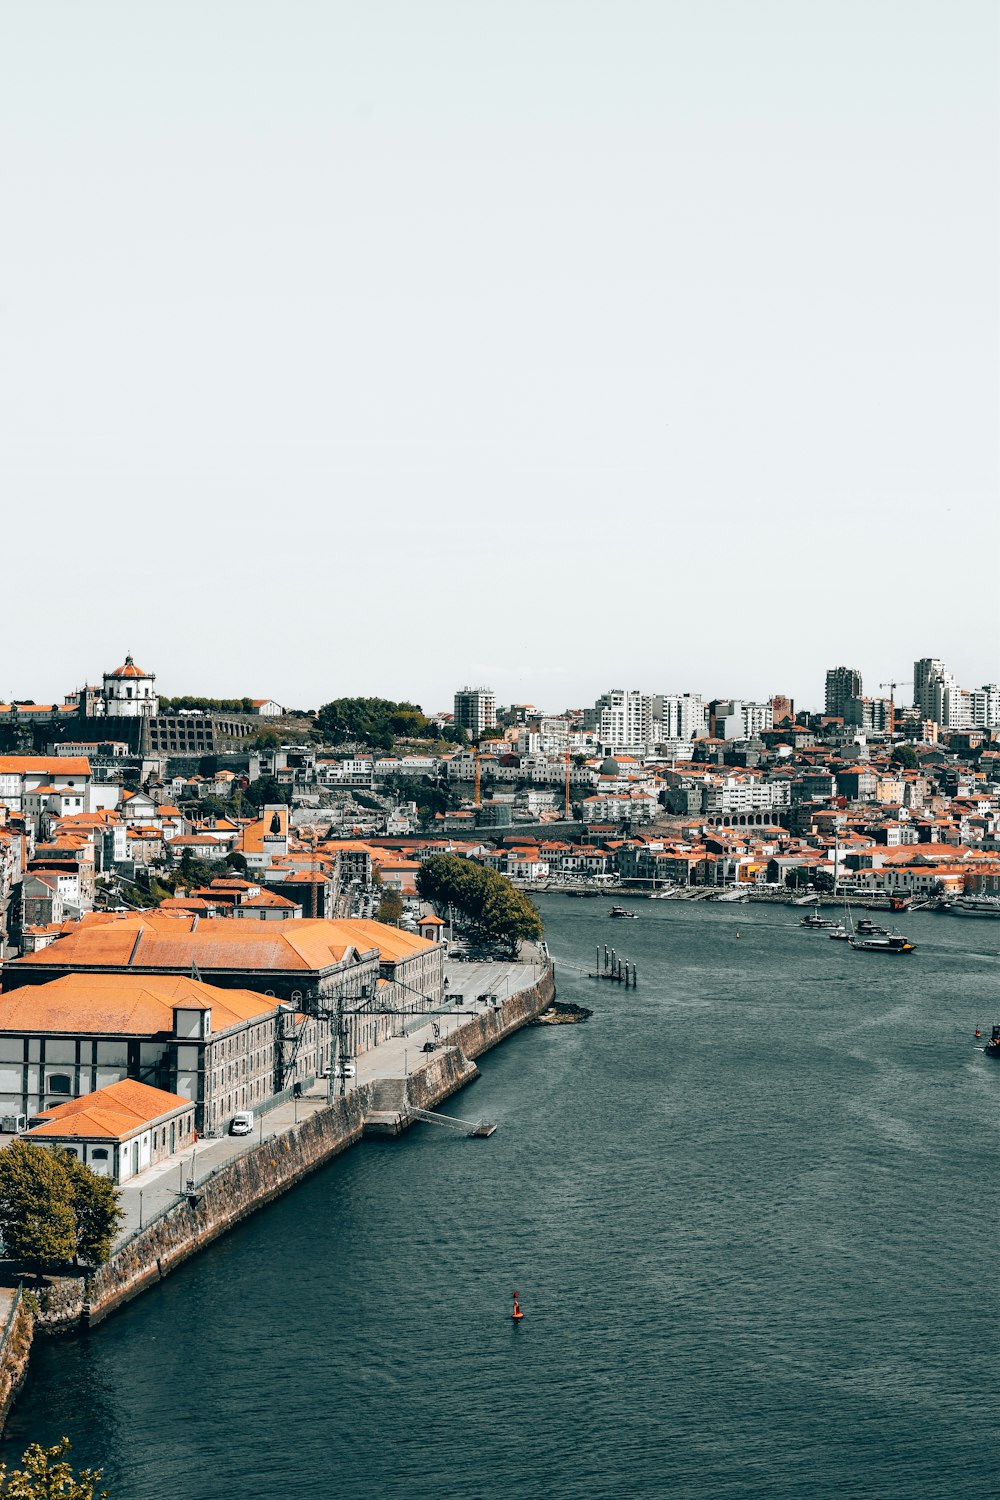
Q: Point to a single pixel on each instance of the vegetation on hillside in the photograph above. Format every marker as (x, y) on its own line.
(378, 723)
(207, 705)
(488, 904)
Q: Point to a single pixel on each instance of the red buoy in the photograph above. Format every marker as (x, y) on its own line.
(517, 1314)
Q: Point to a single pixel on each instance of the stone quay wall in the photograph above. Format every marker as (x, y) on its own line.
(240, 1187)
(15, 1350)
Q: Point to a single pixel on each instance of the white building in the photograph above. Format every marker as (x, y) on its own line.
(475, 710)
(129, 692)
(622, 720)
(681, 716)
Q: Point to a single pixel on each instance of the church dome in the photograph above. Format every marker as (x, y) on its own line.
(128, 669)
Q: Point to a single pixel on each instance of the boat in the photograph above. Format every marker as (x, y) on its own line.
(976, 906)
(622, 914)
(866, 928)
(816, 922)
(839, 934)
(517, 1314)
(891, 942)
(992, 1048)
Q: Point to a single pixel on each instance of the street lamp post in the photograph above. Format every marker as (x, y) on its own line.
(140, 1208)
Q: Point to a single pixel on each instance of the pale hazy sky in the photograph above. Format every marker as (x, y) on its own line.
(380, 347)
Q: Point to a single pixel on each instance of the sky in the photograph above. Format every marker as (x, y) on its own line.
(382, 348)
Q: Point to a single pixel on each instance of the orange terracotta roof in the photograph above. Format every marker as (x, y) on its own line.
(28, 765)
(157, 940)
(123, 1004)
(112, 1113)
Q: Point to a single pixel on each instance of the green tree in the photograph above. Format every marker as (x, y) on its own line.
(47, 1476)
(37, 1221)
(906, 757)
(390, 907)
(376, 722)
(265, 790)
(96, 1208)
(490, 905)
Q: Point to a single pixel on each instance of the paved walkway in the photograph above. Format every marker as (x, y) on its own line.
(160, 1188)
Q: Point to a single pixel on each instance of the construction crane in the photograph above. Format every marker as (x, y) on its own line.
(569, 805)
(892, 686)
(475, 799)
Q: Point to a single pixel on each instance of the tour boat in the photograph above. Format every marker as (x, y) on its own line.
(977, 906)
(866, 928)
(622, 914)
(816, 922)
(992, 1048)
(892, 942)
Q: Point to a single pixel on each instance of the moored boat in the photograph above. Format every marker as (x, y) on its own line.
(976, 906)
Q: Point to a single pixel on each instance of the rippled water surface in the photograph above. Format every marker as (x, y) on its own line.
(750, 1209)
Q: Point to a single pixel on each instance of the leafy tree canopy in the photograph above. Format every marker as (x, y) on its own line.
(488, 903)
(905, 756)
(390, 907)
(207, 705)
(53, 1209)
(376, 722)
(47, 1476)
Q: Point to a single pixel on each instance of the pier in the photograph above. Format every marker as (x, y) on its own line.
(614, 968)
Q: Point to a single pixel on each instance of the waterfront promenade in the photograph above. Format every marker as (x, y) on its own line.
(164, 1186)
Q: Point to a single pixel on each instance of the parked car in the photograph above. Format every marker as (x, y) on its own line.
(241, 1123)
(345, 1069)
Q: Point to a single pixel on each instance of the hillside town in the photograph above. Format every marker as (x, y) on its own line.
(198, 897)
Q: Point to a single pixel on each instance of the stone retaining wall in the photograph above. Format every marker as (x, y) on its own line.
(261, 1174)
(15, 1352)
(221, 1201)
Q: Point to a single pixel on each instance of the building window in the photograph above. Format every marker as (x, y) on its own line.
(60, 1083)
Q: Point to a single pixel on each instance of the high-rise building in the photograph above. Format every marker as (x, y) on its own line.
(842, 683)
(622, 719)
(985, 706)
(925, 673)
(681, 716)
(475, 710)
(871, 714)
(735, 719)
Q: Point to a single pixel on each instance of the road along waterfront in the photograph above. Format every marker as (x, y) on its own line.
(746, 1206)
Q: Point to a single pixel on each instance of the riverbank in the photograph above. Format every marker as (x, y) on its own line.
(403, 1077)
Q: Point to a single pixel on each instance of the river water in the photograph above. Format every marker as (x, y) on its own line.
(749, 1208)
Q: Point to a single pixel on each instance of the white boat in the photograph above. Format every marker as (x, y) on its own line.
(977, 906)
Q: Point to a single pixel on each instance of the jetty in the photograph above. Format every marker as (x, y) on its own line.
(614, 968)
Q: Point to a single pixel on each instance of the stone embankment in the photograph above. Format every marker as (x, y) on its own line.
(245, 1184)
(15, 1348)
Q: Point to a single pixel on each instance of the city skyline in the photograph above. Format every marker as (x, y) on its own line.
(872, 687)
